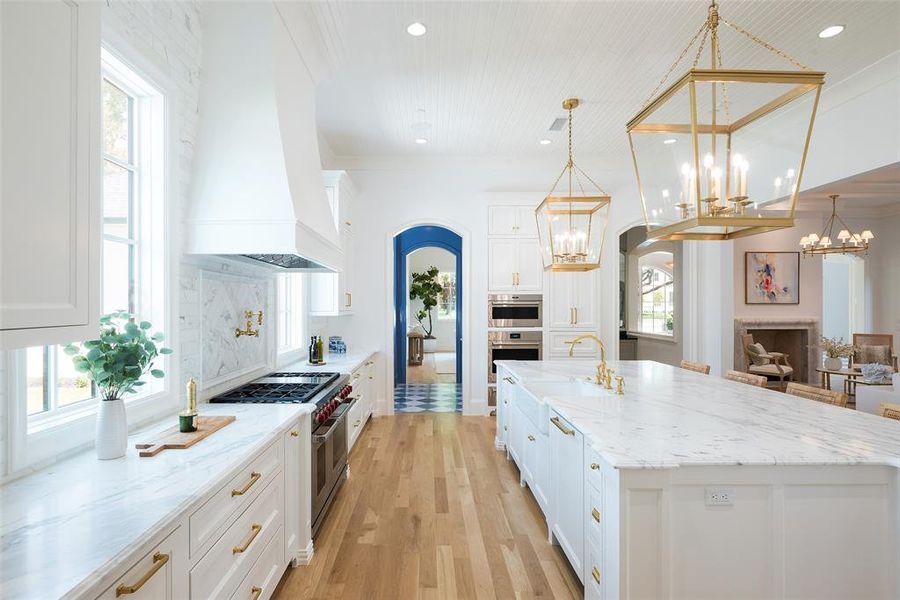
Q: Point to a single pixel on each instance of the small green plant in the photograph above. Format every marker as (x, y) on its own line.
(425, 287)
(836, 348)
(122, 355)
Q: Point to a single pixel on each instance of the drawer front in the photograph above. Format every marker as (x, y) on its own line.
(534, 410)
(559, 345)
(260, 582)
(355, 421)
(207, 521)
(594, 467)
(228, 561)
(160, 574)
(593, 577)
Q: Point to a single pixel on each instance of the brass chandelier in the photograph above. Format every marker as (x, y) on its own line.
(571, 227)
(847, 241)
(720, 152)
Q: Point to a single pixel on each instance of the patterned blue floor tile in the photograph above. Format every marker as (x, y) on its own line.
(428, 397)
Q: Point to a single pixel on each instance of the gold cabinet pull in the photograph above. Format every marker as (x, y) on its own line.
(530, 438)
(295, 434)
(256, 592)
(572, 342)
(349, 299)
(575, 308)
(595, 514)
(595, 467)
(505, 428)
(254, 531)
(561, 427)
(509, 380)
(159, 561)
(254, 477)
(595, 573)
(356, 424)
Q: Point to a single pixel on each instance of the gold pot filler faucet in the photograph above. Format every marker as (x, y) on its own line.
(604, 374)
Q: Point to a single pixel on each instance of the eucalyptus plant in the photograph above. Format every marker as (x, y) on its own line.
(118, 360)
(425, 287)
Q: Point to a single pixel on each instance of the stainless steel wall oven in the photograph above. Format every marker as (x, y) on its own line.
(512, 345)
(515, 310)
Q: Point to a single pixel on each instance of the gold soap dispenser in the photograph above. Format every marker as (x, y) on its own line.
(187, 419)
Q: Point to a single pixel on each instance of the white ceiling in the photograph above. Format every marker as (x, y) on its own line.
(873, 191)
(488, 77)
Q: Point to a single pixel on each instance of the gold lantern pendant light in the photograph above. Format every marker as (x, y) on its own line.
(571, 227)
(719, 153)
(846, 242)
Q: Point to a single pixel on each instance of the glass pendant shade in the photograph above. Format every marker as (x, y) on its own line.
(720, 152)
(572, 225)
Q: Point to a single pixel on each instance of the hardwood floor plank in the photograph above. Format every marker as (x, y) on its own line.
(432, 510)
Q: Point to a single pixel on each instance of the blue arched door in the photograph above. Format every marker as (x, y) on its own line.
(423, 236)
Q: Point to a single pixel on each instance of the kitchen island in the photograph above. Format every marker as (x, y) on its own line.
(690, 486)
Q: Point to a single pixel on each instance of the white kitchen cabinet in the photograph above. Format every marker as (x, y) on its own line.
(567, 490)
(516, 437)
(331, 294)
(512, 220)
(160, 575)
(296, 513)
(573, 300)
(340, 191)
(559, 343)
(505, 389)
(537, 464)
(50, 193)
(514, 265)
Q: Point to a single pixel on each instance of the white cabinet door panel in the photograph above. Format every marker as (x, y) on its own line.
(584, 299)
(567, 490)
(525, 221)
(502, 264)
(50, 194)
(502, 220)
(562, 310)
(529, 266)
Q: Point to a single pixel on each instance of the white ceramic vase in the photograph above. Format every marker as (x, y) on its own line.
(430, 345)
(832, 364)
(111, 437)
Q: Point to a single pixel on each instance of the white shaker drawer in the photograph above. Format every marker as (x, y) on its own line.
(228, 561)
(207, 521)
(160, 575)
(260, 582)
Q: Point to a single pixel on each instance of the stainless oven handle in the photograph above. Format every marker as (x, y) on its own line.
(323, 437)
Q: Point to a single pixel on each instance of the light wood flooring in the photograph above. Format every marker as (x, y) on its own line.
(432, 510)
(426, 373)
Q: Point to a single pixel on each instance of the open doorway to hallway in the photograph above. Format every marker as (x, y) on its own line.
(428, 320)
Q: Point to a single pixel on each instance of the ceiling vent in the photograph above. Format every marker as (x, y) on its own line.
(558, 124)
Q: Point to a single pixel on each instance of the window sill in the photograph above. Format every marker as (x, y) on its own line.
(654, 336)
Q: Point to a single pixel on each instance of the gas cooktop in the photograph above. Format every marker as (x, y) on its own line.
(280, 387)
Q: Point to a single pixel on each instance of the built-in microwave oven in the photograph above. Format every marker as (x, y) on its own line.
(515, 310)
(512, 345)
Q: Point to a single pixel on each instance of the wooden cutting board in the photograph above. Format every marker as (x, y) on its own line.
(172, 439)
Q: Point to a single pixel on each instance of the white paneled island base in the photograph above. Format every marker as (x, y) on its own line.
(692, 486)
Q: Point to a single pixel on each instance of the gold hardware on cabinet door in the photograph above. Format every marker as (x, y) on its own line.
(575, 308)
(595, 573)
(256, 592)
(254, 477)
(254, 531)
(509, 380)
(596, 514)
(595, 467)
(530, 438)
(159, 560)
(505, 428)
(561, 427)
(295, 434)
(349, 299)
(347, 223)
(356, 424)
(572, 342)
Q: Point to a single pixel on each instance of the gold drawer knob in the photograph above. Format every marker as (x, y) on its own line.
(295, 434)
(254, 477)
(159, 560)
(254, 531)
(595, 573)
(255, 592)
(595, 514)
(530, 438)
(595, 467)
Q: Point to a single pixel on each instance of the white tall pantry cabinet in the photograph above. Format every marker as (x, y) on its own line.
(331, 294)
(50, 193)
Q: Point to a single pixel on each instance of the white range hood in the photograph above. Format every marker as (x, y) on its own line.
(257, 188)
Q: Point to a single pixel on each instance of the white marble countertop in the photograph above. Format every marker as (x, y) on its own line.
(670, 417)
(337, 363)
(62, 526)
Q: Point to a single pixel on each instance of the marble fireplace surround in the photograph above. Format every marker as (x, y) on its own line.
(810, 325)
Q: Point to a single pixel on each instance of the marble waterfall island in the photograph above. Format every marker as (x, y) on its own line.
(692, 486)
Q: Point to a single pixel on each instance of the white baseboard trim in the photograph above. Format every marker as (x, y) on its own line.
(304, 557)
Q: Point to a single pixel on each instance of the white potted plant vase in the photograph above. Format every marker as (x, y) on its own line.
(431, 344)
(833, 363)
(111, 435)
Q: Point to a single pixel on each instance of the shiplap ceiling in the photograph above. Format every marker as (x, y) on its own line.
(874, 190)
(488, 78)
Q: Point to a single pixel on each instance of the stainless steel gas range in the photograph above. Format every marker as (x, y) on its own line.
(330, 393)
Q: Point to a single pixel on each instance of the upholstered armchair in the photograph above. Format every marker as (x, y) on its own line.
(763, 362)
(874, 348)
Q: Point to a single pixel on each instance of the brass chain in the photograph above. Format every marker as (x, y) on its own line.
(766, 45)
(700, 49)
(724, 86)
(674, 66)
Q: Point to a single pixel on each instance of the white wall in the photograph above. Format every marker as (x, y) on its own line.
(836, 302)
(421, 260)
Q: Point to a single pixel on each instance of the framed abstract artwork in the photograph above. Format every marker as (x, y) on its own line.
(771, 278)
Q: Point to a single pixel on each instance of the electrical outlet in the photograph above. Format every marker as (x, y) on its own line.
(719, 496)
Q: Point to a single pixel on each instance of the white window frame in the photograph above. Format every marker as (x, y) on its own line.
(449, 316)
(290, 307)
(45, 437)
(666, 290)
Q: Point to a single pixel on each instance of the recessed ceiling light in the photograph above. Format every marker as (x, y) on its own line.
(669, 141)
(416, 29)
(831, 31)
(421, 140)
(544, 142)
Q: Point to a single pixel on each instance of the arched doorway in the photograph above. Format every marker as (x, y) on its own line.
(406, 243)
